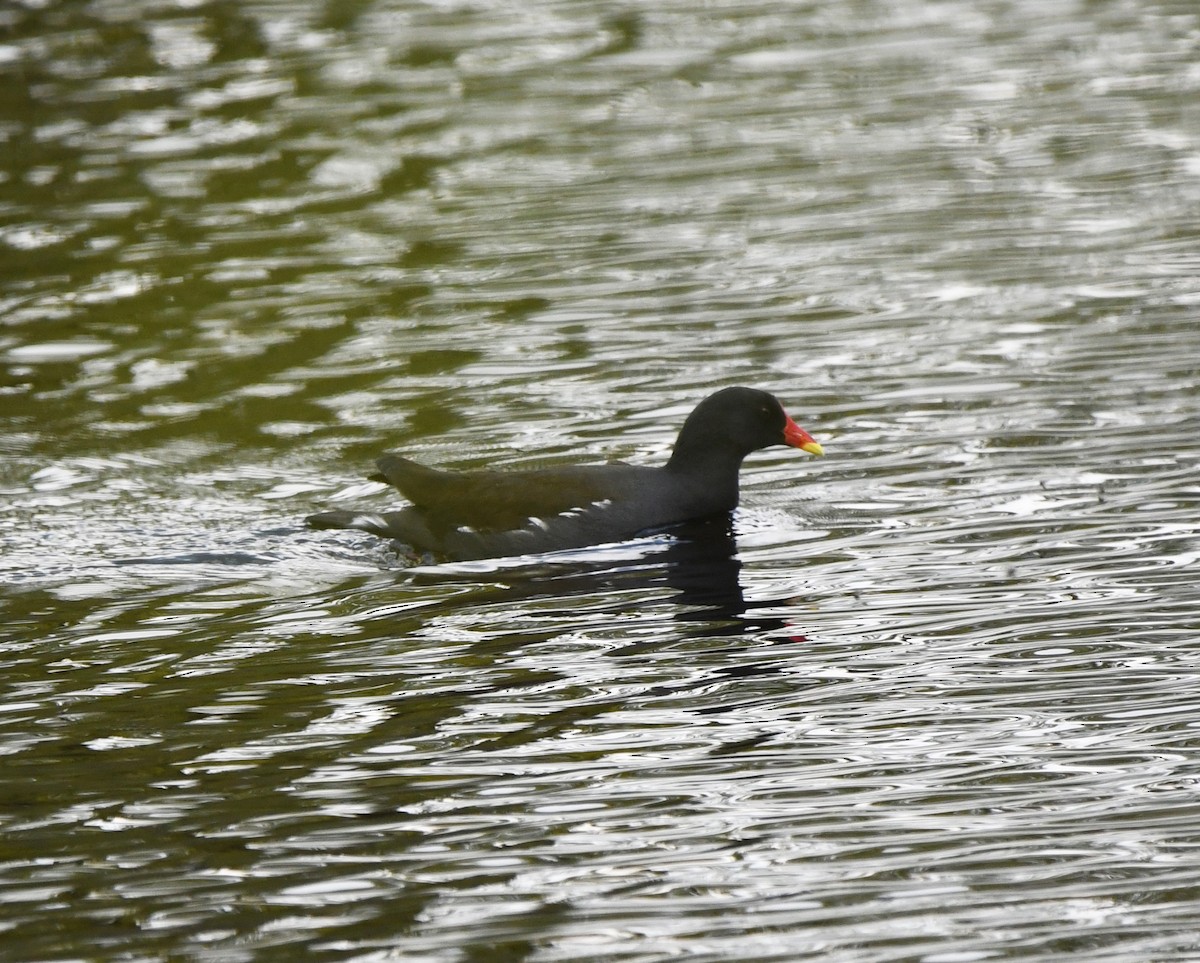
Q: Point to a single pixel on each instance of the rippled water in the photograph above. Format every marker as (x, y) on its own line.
(933, 699)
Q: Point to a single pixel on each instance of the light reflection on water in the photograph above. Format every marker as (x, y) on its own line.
(931, 700)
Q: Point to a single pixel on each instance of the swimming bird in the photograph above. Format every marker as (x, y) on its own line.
(488, 514)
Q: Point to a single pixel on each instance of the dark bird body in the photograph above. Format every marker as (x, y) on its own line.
(481, 514)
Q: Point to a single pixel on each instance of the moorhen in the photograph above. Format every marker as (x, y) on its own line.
(487, 514)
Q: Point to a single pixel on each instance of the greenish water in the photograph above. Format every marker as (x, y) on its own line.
(934, 700)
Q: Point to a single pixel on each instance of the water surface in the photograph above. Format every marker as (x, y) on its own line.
(931, 698)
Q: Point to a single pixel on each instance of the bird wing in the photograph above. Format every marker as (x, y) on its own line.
(496, 500)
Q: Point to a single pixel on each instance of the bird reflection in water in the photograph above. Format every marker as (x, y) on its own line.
(698, 559)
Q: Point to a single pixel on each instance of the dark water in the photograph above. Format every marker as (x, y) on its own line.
(934, 698)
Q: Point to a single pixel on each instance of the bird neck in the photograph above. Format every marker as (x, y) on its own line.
(716, 468)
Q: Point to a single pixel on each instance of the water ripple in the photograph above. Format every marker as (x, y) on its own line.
(930, 699)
